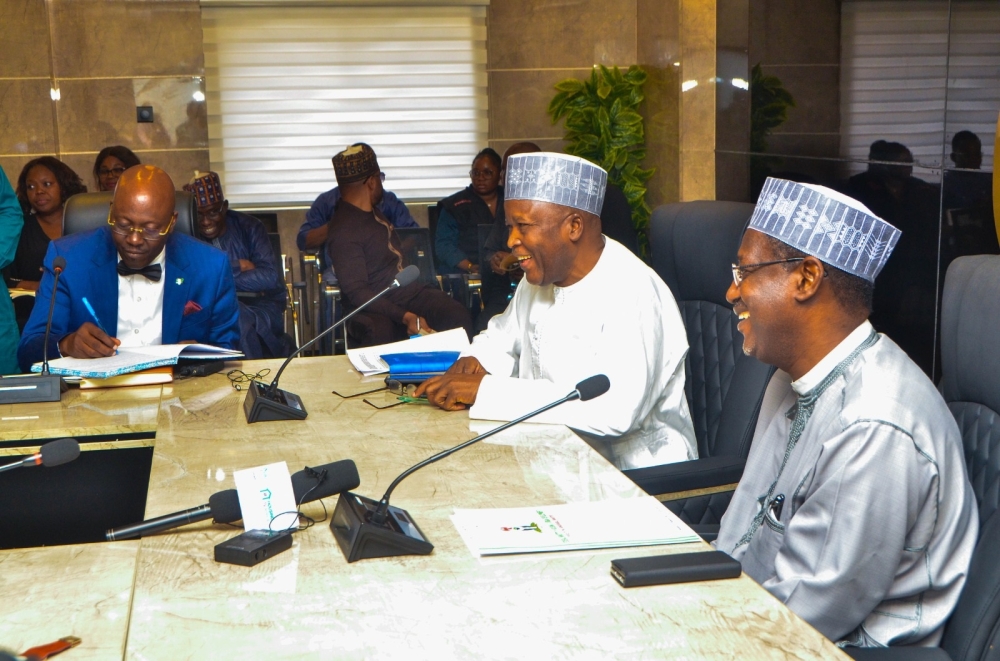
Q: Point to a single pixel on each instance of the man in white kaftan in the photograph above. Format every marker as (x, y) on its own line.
(620, 320)
(855, 508)
(586, 306)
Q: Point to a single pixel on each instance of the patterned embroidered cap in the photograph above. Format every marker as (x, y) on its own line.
(356, 163)
(558, 178)
(207, 190)
(823, 223)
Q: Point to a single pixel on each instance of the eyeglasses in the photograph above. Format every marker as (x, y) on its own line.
(214, 214)
(381, 175)
(105, 172)
(741, 272)
(482, 173)
(124, 229)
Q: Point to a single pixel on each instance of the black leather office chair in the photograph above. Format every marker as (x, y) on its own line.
(693, 246)
(88, 211)
(970, 369)
(970, 384)
(418, 248)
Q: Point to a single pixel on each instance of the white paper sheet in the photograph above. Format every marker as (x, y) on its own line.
(265, 492)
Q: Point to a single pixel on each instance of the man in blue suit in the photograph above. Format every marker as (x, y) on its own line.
(145, 284)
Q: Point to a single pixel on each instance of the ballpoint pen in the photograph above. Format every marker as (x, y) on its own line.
(93, 315)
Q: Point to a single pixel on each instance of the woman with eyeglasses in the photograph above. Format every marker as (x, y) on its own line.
(456, 241)
(111, 162)
(42, 189)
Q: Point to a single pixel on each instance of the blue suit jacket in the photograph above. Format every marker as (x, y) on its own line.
(194, 271)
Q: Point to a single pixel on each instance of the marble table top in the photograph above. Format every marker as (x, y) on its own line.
(309, 603)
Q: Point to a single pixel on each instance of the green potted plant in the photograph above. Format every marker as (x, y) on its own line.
(604, 126)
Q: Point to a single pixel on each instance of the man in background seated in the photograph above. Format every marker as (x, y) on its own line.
(586, 306)
(855, 509)
(147, 284)
(254, 268)
(312, 234)
(366, 255)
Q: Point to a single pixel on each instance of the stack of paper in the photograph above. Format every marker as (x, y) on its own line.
(368, 361)
(574, 526)
(135, 359)
(148, 377)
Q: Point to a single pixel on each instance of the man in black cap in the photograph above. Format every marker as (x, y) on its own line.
(366, 255)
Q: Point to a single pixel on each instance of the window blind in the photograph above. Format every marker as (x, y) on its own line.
(288, 88)
(896, 62)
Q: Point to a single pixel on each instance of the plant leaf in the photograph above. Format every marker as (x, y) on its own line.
(570, 85)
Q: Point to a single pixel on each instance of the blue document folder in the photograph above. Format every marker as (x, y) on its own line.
(420, 362)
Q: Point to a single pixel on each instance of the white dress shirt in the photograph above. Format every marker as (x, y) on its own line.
(140, 307)
(620, 320)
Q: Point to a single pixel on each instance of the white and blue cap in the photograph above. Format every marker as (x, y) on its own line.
(558, 178)
(828, 225)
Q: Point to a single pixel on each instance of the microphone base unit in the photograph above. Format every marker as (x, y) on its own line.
(261, 406)
(359, 539)
(31, 389)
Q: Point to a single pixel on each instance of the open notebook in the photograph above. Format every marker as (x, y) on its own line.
(134, 359)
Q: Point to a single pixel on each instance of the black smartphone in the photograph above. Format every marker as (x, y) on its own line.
(676, 568)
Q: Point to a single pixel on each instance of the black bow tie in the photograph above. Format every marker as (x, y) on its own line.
(151, 271)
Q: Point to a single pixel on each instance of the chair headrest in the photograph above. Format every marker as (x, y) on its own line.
(970, 316)
(87, 211)
(694, 244)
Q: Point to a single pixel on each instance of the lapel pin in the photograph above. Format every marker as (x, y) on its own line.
(179, 281)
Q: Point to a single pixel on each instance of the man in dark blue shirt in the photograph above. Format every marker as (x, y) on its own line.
(243, 238)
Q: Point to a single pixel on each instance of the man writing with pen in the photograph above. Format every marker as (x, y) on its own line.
(133, 282)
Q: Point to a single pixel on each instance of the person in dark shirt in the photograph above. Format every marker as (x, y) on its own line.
(968, 202)
(904, 301)
(109, 165)
(365, 252)
(242, 237)
(456, 242)
(42, 189)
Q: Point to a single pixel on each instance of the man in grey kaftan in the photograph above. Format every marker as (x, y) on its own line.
(855, 508)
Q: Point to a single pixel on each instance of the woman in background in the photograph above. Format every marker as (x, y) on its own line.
(456, 243)
(42, 189)
(11, 220)
(109, 165)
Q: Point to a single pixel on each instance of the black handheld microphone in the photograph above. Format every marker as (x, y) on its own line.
(54, 453)
(365, 528)
(223, 506)
(308, 485)
(271, 403)
(42, 387)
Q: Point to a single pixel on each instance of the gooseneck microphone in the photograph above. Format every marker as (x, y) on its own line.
(366, 529)
(42, 387)
(308, 485)
(58, 265)
(271, 403)
(54, 453)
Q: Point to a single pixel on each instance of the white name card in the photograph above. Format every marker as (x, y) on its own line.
(265, 493)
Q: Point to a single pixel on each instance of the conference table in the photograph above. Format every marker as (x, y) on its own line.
(164, 596)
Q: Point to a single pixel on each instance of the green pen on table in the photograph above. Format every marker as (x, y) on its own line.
(93, 315)
(406, 399)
